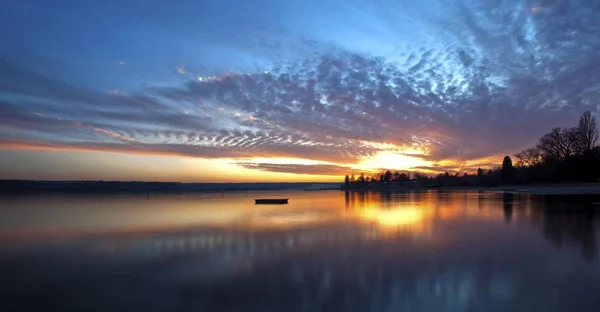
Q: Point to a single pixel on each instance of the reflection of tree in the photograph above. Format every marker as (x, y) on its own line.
(567, 221)
(507, 202)
(386, 197)
(347, 199)
(361, 197)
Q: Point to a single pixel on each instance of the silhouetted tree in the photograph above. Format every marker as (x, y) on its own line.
(347, 180)
(361, 178)
(563, 154)
(587, 132)
(419, 176)
(559, 143)
(480, 172)
(388, 176)
(508, 171)
(529, 157)
(353, 178)
(381, 178)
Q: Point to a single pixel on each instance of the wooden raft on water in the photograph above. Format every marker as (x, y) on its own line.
(271, 201)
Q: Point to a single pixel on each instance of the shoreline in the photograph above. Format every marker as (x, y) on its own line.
(551, 189)
(532, 189)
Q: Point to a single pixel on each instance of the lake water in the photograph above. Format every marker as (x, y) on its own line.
(324, 251)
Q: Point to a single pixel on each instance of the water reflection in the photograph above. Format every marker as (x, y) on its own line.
(507, 201)
(568, 222)
(385, 210)
(346, 251)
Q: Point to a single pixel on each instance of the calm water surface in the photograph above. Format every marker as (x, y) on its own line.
(325, 251)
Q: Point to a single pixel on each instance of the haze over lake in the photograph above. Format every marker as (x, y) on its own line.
(346, 251)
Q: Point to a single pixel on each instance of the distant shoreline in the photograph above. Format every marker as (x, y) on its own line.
(121, 187)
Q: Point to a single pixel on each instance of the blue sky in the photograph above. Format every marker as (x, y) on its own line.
(305, 88)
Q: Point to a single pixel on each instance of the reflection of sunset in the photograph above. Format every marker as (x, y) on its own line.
(392, 218)
(388, 211)
(415, 212)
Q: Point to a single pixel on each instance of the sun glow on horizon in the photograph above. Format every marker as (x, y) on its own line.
(394, 159)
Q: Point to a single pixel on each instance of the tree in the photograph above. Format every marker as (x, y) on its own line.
(347, 180)
(559, 143)
(508, 171)
(529, 157)
(506, 162)
(353, 178)
(480, 172)
(419, 176)
(361, 178)
(381, 178)
(587, 132)
(388, 176)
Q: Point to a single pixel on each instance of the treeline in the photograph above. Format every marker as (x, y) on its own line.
(482, 177)
(562, 155)
(386, 176)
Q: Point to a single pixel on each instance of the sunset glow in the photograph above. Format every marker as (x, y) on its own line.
(390, 159)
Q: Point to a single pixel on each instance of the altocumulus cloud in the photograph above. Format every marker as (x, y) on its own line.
(488, 79)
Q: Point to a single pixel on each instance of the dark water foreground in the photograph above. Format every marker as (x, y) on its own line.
(325, 251)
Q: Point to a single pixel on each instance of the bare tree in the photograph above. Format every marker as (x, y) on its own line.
(559, 143)
(587, 132)
(529, 157)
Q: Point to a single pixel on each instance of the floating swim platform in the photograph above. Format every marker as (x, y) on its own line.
(271, 201)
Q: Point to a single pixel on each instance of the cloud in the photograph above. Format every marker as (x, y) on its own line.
(318, 169)
(479, 80)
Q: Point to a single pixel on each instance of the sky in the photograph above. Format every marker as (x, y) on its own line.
(269, 90)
